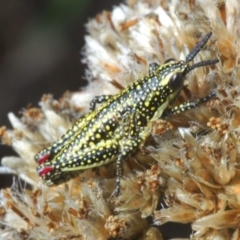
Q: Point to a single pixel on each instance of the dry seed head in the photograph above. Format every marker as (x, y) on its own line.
(116, 226)
(200, 167)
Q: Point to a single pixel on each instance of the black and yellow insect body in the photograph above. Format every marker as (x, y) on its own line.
(116, 129)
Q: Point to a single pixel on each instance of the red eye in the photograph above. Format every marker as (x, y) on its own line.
(44, 171)
(43, 158)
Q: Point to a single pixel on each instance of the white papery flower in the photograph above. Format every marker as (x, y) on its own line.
(194, 165)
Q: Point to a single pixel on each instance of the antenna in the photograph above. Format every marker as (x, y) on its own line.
(198, 47)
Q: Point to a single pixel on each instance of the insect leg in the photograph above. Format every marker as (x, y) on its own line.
(188, 105)
(98, 99)
(153, 66)
(119, 172)
(128, 147)
(131, 129)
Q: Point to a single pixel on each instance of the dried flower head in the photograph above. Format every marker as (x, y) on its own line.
(193, 161)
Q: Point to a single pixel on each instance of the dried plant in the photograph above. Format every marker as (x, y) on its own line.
(193, 160)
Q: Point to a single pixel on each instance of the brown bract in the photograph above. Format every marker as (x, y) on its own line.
(194, 158)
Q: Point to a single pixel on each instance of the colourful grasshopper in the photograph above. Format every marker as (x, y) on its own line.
(117, 128)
